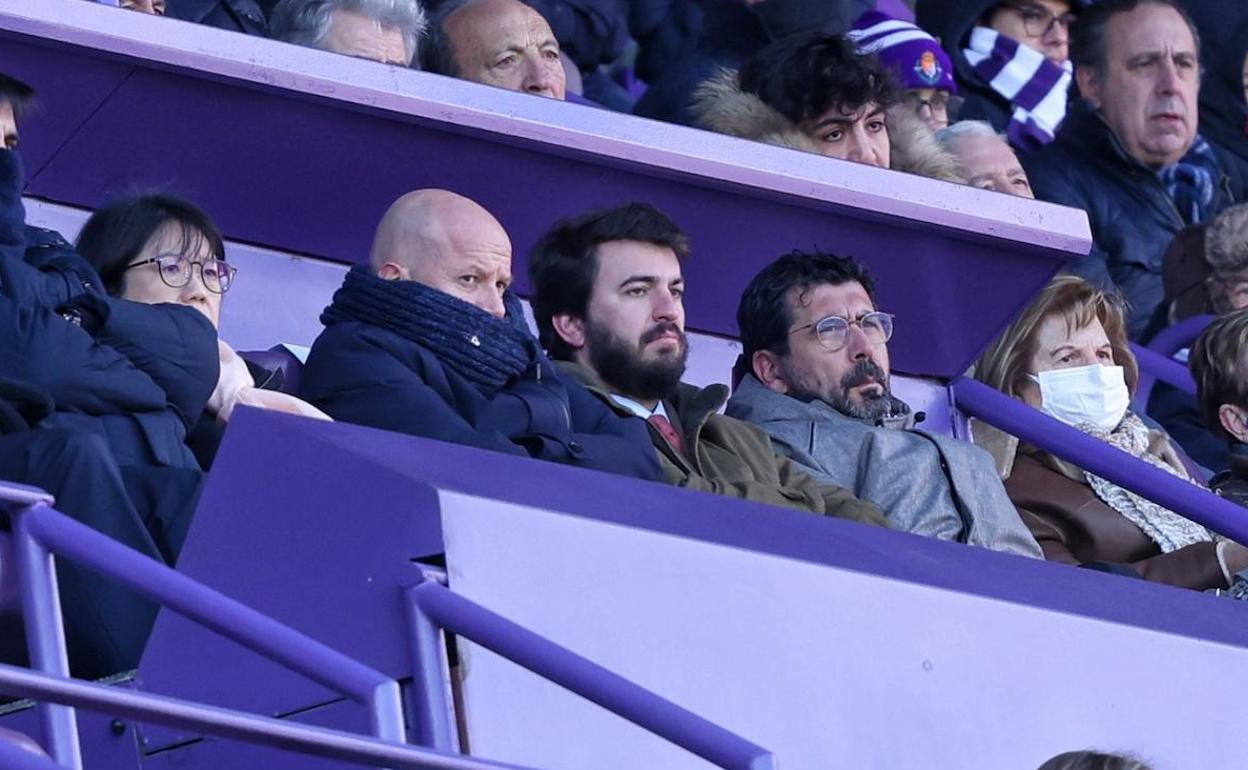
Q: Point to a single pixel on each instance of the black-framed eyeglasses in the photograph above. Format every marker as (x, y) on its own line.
(1037, 19)
(832, 332)
(175, 271)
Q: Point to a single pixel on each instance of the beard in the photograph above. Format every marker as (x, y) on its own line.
(621, 366)
(872, 406)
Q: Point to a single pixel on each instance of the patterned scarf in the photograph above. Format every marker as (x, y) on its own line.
(1034, 86)
(1190, 182)
(486, 350)
(1167, 529)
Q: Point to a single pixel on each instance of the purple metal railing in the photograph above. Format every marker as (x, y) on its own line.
(1098, 457)
(14, 757)
(1153, 367)
(433, 608)
(1157, 359)
(38, 531)
(224, 723)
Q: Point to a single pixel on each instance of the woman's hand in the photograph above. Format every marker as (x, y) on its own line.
(233, 379)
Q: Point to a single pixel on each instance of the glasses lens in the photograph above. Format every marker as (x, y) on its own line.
(831, 332)
(877, 326)
(1036, 20)
(175, 270)
(218, 274)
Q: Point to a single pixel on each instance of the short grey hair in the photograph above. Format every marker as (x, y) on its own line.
(1226, 241)
(966, 129)
(306, 22)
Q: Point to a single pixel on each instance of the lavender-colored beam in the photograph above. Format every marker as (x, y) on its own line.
(227, 617)
(278, 733)
(565, 668)
(45, 631)
(1096, 456)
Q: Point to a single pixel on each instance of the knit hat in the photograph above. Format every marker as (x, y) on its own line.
(914, 56)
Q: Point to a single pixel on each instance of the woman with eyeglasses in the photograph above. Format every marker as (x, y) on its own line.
(1011, 61)
(159, 248)
(1067, 355)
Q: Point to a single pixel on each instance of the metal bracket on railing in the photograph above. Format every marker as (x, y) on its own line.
(433, 608)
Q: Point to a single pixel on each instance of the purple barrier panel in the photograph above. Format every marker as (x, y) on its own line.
(302, 151)
(384, 468)
(310, 534)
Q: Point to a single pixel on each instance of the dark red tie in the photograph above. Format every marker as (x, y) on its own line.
(666, 430)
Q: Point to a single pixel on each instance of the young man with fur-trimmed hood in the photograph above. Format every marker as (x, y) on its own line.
(817, 93)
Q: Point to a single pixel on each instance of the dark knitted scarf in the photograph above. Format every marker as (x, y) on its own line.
(1190, 182)
(488, 351)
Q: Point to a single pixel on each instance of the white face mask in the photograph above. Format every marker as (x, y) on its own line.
(1095, 395)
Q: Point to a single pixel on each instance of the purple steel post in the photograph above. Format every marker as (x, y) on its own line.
(1092, 454)
(41, 615)
(1173, 338)
(266, 731)
(431, 713)
(1154, 366)
(215, 611)
(446, 609)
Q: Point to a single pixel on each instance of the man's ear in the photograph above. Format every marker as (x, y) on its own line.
(570, 329)
(393, 271)
(1089, 85)
(1233, 419)
(766, 367)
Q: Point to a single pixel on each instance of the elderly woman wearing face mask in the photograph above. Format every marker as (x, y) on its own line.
(162, 249)
(1067, 355)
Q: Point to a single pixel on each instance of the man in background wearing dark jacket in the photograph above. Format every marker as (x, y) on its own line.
(1130, 153)
(429, 341)
(609, 305)
(95, 399)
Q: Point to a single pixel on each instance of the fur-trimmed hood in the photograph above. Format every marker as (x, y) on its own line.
(721, 106)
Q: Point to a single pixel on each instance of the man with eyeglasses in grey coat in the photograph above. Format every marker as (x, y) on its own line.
(815, 376)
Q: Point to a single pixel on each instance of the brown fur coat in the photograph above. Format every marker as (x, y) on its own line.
(723, 107)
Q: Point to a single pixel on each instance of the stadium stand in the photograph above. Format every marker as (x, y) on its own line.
(820, 641)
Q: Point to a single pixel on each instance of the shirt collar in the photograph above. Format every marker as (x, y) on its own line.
(636, 408)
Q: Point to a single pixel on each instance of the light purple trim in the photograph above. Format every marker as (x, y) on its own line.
(265, 731)
(1093, 455)
(559, 125)
(14, 757)
(443, 608)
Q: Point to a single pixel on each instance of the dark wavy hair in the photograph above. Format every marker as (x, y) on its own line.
(804, 76)
(765, 315)
(1088, 46)
(118, 231)
(564, 262)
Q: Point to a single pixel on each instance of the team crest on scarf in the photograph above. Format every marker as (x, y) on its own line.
(927, 67)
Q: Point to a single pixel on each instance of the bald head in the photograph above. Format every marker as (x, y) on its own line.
(446, 242)
(503, 43)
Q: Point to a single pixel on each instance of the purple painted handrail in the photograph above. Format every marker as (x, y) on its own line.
(224, 723)
(39, 530)
(1155, 366)
(1174, 338)
(441, 608)
(1096, 456)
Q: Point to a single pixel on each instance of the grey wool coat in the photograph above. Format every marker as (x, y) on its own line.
(925, 483)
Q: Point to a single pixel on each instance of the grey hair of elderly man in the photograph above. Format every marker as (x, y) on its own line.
(388, 31)
(987, 160)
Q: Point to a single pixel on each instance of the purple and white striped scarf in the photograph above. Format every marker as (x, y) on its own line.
(1034, 86)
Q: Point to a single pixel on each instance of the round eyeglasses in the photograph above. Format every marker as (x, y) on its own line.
(175, 271)
(832, 332)
(1038, 20)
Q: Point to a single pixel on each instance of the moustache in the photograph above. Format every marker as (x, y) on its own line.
(864, 372)
(662, 329)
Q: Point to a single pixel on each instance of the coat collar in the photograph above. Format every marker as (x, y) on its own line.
(757, 403)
